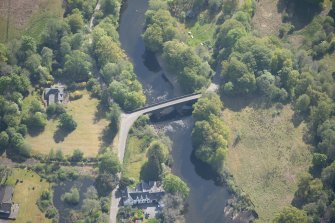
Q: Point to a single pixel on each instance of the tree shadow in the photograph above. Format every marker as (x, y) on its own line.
(101, 112)
(299, 13)
(145, 173)
(33, 132)
(60, 135)
(108, 135)
(237, 103)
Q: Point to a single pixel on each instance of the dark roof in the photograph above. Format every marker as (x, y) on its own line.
(151, 196)
(6, 194)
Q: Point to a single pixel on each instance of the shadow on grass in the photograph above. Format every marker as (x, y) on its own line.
(100, 113)
(237, 103)
(33, 132)
(60, 135)
(108, 135)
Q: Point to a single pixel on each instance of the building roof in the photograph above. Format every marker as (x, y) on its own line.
(6, 194)
(54, 94)
(144, 192)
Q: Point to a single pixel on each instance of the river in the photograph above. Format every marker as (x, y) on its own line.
(206, 201)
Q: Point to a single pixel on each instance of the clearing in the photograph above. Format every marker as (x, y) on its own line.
(26, 194)
(27, 17)
(267, 18)
(86, 137)
(135, 157)
(270, 155)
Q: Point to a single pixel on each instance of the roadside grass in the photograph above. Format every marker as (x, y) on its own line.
(269, 157)
(135, 157)
(26, 195)
(28, 17)
(86, 137)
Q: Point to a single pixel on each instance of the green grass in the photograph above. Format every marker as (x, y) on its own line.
(135, 157)
(86, 137)
(26, 194)
(266, 163)
(31, 24)
(202, 30)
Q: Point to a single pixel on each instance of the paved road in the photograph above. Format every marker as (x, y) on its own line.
(127, 120)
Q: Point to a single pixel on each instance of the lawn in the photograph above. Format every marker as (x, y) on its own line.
(202, 30)
(86, 137)
(26, 194)
(135, 157)
(267, 161)
(28, 17)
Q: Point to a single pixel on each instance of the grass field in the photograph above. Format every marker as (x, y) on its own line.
(86, 137)
(26, 194)
(28, 17)
(134, 158)
(268, 159)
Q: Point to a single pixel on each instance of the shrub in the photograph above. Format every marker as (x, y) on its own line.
(71, 197)
(76, 95)
(66, 122)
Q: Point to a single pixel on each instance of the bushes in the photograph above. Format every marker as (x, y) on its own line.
(54, 110)
(67, 123)
(210, 134)
(72, 197)
(174, 185)
(76, 95)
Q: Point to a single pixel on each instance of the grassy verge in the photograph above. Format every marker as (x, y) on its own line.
(134, 158)
(86, 137)
(268, 158)
(26, 195)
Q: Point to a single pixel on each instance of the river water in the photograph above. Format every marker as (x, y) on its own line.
(206, 201)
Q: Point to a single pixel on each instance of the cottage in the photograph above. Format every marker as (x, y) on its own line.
(144, 193)
(8, 209)
(53, 95)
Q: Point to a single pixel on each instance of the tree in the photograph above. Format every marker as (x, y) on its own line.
(4, 139)
(291, 215)
(237, 73)
(207, 105)
(173, 208)
(153, 38)
(77, 156)
(3, 53)
(105, 183)
(77, 65)
(72, 197)
(109, 164)
(111, 7)
(37, 121)
(47, 57)
(66, 122)
(107, 51)
(75, 21)
(54, 110)
(328, 175)
(174, 185)
(59, 155)
(302, 103)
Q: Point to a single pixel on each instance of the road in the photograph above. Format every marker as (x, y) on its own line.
(127, 121)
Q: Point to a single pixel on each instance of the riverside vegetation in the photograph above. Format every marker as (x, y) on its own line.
(292, 68)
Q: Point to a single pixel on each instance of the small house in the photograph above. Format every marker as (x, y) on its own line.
(53, 95)
(8, 210)
(144, 193)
